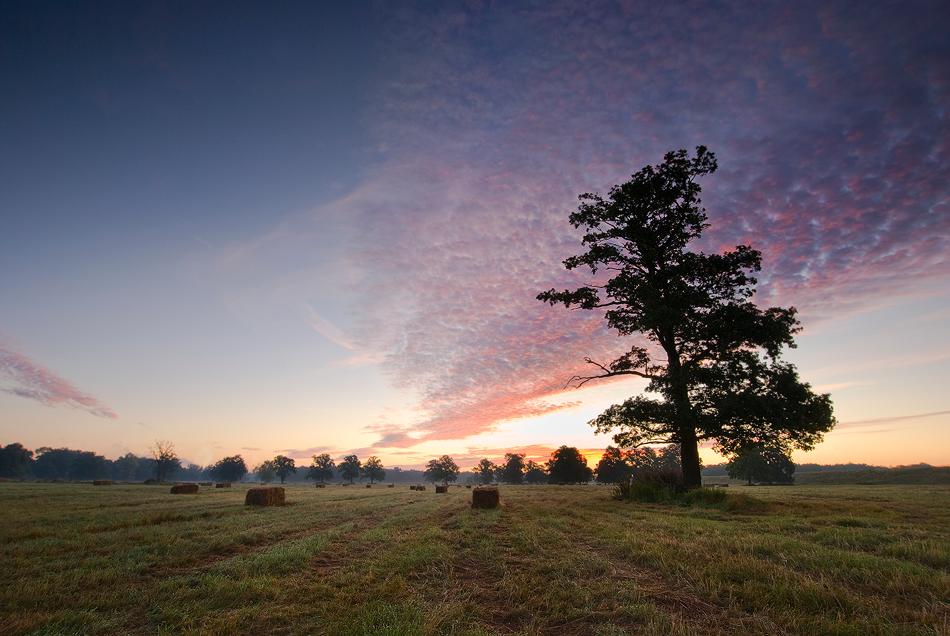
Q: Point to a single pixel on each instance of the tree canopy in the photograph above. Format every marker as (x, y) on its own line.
(265, 471)
(321, 468)
(283, 466)
(711, 355)
(443, 469)
(228, 469)
(567, 464)
(513, 470)
(373, 470)
(485, 469)
(350, 467)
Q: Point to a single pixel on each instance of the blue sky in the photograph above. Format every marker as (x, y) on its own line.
(307, 227)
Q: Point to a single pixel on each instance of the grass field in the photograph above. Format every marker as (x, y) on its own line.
(79, 559)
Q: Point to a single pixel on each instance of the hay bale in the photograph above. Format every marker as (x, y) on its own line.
(392, 486)
(439, 489)
(209, 484)
(321, 485)
(368, 486)
(412, 487)
(184, 489)
(485, 497)
(264, 496)
(102, 482)
(3, 480)
(224, 484)
(469, 486)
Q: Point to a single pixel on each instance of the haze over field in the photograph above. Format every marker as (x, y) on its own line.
(300, 229)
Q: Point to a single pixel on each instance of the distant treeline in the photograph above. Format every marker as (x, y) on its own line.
(719, 470)
(918, 474)
(17, 462)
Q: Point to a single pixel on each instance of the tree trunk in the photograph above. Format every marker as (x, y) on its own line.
(689, 452)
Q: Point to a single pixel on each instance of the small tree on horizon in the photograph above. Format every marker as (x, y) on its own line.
(534, 473)
(230, 468)
(443, 469)
(283, 467)
(513, 470)
(762, 464)
(567, 464)
(373, 470)
(321, 468)
(265, 471)
(166, 460)
(485, 471)
(349, 468)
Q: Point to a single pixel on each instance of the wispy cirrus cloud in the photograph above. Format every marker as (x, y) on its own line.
(33, 381)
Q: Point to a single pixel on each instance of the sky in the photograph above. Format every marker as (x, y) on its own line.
(305, 227)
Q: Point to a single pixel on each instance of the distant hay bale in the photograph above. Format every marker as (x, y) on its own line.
(561, 483)
(3, 480)
(392, 485)
(412, 487)
(469, 486)
(321, 485)
(439, 489)
(420, 487)
(184, 489)
(223, 484)
(264, 496)
(369, 486)
(206, 483)
(102, 482)
(485, 497)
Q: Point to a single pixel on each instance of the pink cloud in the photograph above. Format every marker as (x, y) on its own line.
(833, 154)
(34, 381)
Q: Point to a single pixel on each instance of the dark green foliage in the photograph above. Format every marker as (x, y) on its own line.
(321, 469)
(722, 379)
(265, 471)
(513, 470)
(373, 470)
(68, 464)
(229, 469)
(125, 467)
(486, 471)
(350, 467)
(443, 469)
(14, 461)
(535, 474)
(767, 465)
(283, 466)
(569, 466)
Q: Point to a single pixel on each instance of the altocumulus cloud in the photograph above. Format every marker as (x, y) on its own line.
(829, 121)
(34, 381)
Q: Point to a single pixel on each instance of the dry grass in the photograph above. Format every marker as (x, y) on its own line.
(548, 560)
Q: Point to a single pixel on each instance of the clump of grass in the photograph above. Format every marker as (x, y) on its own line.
(657, 492)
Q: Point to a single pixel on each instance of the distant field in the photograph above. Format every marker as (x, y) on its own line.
(919, 475)
(79, 559)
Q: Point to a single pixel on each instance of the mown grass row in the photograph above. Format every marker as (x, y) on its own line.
(77, 559)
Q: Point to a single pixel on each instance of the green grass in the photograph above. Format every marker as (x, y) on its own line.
(78, 559)
(909, 475)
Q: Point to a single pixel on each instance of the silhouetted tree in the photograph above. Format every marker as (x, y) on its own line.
(66, 463)
(166, 460)
(534, 473)
(568, 465)
(283, 466)
(715, 383)
(373, 470)
(613, 467)
(124, 468)
(14, 460)
(485, 471)
(230, 468)
(266, 471)
(350, 468)
(513, 470)
(321, 469)
(443, 469)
